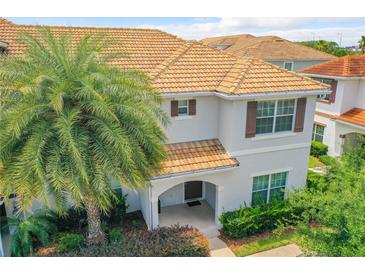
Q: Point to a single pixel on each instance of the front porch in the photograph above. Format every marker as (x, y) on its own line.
(201, 216)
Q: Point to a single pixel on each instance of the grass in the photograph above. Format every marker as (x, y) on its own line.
(314, 162)
(266, 243)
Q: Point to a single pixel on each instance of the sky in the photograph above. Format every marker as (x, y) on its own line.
(343, 30)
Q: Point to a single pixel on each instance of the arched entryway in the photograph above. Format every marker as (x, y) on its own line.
(189, 203)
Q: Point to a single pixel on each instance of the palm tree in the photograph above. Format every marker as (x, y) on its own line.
(362, 44)
(70, 123)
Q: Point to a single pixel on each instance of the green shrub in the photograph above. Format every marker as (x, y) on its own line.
(315, 181)
(73, 220)
(327, 160)
(318, 149)
(181, 241)
(31, 233)
(115, 235)
(248, 221)
(69, 242)
(118, 209)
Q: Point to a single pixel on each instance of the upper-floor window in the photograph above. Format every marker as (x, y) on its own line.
(325, 97)
(317, 133)
(275, 116)
(183, 107)
(269, 187)
(288, 66)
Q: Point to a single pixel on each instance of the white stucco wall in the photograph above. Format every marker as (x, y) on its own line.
(173, 196)
(233, 125)
(201, 126)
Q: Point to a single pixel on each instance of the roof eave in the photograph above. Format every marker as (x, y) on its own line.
(250, 96)
(331, 76)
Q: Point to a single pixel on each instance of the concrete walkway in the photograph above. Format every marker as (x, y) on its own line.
(291, 250)
(218, 248)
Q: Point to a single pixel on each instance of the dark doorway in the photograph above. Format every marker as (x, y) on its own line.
(193, 190)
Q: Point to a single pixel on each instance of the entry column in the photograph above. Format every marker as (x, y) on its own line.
(218, 205)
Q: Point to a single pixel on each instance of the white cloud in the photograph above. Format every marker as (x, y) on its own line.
(289, 28)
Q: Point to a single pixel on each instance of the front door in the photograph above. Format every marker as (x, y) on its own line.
(193, 190)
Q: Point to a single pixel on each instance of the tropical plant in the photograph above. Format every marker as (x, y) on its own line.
(362, 44)
(70, 123)
(69, 241)
(329, 47)
(333, 208)
(28, 231)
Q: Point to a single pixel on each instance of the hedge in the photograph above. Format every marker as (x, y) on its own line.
(179, 241)
(318, 149)
(248, 221)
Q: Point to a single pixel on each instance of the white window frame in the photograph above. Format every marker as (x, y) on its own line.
(279, 115)
(269, 185)
(324, 97)
(314, 132)
(179, 107)
(291, 63)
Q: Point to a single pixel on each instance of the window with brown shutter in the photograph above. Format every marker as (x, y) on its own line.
(300, 114)
(174, 109)
(192, 107)
(333, 93)
(251, 119)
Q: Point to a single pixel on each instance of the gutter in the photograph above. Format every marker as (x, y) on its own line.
(250, 96)
(194, 172)
(332, 76)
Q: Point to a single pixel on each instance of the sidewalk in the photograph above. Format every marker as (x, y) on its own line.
(291, 250)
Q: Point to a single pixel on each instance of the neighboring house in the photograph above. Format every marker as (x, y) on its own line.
(278, 51)
(340, 116)
(240, 128)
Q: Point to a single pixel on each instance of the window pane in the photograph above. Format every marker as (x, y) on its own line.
(259, 197)
(285, 107)
(265, 108)
(277, 194)
(260, 182)
(320, 130)
(183, 110)
(264, 125)
(288, 66)
(318, 138)
(278, 179)
(183, 103)
(284, 123)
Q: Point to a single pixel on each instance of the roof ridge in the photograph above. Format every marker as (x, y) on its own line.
(160, 68)
(86, 27)
(243, 73)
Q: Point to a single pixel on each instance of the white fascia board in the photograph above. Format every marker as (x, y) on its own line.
(348, 124)
(331, 76)
(249, 96)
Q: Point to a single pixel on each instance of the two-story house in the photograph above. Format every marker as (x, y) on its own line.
(240, 128)
(340, 116)
(273, 49)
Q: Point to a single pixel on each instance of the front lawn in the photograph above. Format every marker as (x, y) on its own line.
(314, 162)
(266, 241)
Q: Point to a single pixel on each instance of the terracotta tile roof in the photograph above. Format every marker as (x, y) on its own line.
(268, 48)
(176, 65)
(354, 116)
(196, 156)
(347, 66)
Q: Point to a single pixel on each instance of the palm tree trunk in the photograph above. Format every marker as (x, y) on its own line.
(95, 233)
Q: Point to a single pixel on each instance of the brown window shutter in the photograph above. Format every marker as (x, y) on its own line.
(333, 93)
(251, 119)
(174, 109)
(300, 115)
(192, 107)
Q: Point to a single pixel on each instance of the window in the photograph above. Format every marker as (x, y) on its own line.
(274, 116)
(183, 107)
(318, 132)
(288, 66)
(268, 188)
(324, 97)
